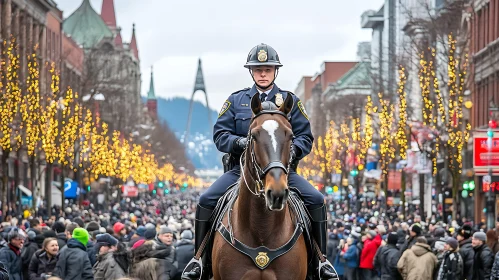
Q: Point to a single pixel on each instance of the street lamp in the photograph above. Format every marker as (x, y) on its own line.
(493, 117)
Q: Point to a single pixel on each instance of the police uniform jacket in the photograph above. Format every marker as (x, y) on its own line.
(234, 120)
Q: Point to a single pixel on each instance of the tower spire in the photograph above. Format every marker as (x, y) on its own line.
(133, 44)
(151, 95)
(199, 84)
(108, 14)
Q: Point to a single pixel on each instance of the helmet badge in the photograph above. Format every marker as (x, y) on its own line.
(262, 56)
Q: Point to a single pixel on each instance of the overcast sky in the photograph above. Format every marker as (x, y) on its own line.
(172, 35)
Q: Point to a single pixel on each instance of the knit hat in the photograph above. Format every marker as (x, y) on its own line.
(372, 233)
(138, 244)
(150, 225)
(49, 233)
(392, 238)
(164, 229)
(480, 236)
(118, 227)
(106, 239)
(58, 227)
(141, 230)
(452, 242)
(93, 226)
(81, 235)
(416, 229)
(439, 232)
(186, 234)
(150, 233)
(15, 233)
(465, 231)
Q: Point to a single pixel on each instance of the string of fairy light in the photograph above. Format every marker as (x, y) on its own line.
(67, 133)
(402, 109)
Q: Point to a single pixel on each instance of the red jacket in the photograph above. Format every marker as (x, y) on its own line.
(369, 251)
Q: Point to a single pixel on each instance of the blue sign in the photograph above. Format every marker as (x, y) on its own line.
(70, 189)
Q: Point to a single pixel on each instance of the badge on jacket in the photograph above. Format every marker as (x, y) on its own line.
(224, 109)
(279, 100)
(302, 109)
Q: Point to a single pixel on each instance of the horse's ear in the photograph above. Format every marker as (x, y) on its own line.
(287, 106)
(256, 104)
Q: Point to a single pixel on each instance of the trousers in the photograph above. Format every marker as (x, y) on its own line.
(310, 195)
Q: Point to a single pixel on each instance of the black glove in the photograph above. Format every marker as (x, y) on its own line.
(240, 145)
(292, 153)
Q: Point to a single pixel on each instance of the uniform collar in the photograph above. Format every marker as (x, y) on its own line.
(270, 95)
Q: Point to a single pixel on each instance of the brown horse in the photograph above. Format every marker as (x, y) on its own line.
(260, 215)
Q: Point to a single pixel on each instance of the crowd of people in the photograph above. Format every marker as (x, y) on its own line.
(149, 238)
(376, 248)
(152, 238)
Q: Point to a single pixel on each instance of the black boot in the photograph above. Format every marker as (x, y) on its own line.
(202, 227)
(318, 218)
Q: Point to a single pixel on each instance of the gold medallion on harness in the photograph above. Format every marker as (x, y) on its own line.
(262, 259)
(262, 56)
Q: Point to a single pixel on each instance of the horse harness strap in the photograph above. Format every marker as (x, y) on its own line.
(261, 256)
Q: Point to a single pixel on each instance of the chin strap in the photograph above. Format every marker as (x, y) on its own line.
(271, 83)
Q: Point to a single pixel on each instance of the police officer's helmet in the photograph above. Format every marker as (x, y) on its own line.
(261, 55)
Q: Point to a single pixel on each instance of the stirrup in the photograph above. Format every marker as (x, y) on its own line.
(327, 263)
(193, 263)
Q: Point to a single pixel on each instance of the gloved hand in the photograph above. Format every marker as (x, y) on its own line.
(240, 145)
(292, 153)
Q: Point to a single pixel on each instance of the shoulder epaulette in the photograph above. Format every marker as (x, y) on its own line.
(240, 90)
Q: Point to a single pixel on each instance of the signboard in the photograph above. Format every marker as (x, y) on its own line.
(70, 189)
(394, 180)
(482, 157)
(130, 191)
(487, 179)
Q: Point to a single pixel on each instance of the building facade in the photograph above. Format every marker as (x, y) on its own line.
(111, 66)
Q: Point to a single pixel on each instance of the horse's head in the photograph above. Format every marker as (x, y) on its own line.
(269, 145)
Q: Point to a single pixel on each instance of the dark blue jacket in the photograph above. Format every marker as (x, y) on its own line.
(234, 120)
(352, 255)
(12, 262)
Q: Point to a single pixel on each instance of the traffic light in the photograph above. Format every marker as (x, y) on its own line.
(88, 188)
(161, 184)
(469, 185)
(167, 191)
(154, 192)
(354, 172)
(464, 193)
(185, 185)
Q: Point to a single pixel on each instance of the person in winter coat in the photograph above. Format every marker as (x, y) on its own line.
(332, 247)
(466, 250)
(451, 267)
(351, 256)
(44, 261)
(494, 274)
(414, 233)
(34, 243)
(165, 242)
(484, 259)
(386, 258)
(185, 251)
(113, 260)
(371, 245)
(73, 262)
(492, 241)
(60, 231)
(418, 262)
(139, 235)
(10, 256)
(147, 266)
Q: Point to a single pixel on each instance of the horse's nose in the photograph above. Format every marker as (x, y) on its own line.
(276, 199)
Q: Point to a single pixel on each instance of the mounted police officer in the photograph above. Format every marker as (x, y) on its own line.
(230, 132)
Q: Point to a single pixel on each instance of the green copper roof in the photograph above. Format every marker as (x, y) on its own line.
(85, 26)
(358, 76)
(151, 94)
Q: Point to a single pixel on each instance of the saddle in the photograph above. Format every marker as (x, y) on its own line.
(261, 256)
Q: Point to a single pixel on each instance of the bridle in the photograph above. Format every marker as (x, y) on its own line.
(260, 173)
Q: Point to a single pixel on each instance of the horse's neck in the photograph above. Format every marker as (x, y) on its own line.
(254, 216)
